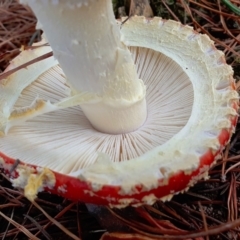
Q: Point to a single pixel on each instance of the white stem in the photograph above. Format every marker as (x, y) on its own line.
(85, 39)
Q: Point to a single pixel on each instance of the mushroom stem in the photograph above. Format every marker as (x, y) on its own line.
(86, 41)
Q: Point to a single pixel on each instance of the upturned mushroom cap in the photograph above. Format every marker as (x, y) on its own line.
(192, 112)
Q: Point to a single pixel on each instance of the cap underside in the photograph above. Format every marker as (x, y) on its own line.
(64, 140)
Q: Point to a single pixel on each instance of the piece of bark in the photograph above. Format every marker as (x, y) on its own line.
(140, 8)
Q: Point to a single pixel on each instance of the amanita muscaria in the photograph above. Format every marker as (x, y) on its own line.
(132, 126)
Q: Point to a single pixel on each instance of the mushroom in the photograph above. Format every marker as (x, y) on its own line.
(144, 109)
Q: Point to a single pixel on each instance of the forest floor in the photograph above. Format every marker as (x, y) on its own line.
(209, 210)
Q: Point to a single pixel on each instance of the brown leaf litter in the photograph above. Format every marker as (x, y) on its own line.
(209, 210)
